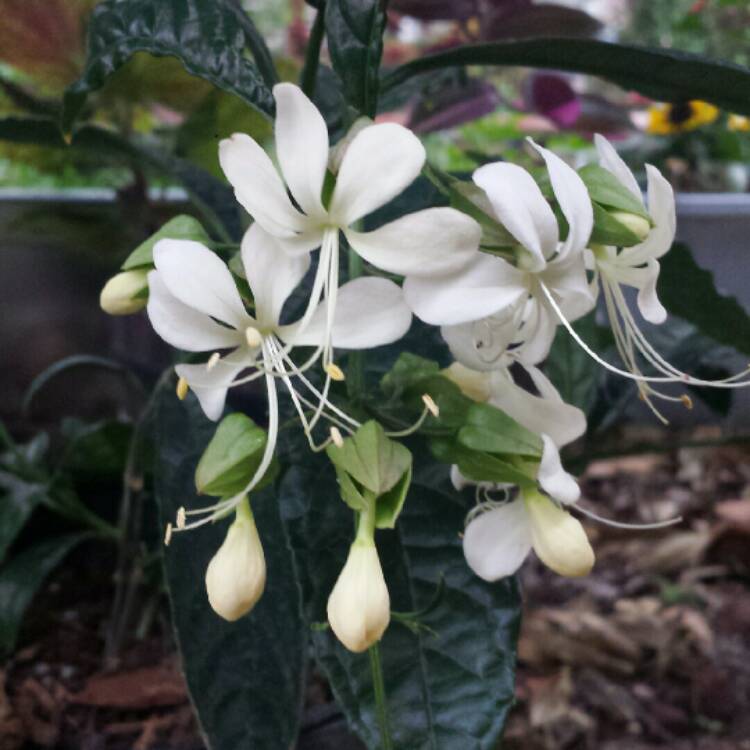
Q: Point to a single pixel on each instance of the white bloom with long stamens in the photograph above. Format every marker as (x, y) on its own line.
(378, 163)
(506, 302)
(194, 305)
(497, 541)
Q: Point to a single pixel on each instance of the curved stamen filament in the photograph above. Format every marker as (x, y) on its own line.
(621, 525)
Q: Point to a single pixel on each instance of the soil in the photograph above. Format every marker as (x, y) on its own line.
(652, 650)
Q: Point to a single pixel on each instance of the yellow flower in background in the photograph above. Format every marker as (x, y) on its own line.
(666, 119)
(739, 123)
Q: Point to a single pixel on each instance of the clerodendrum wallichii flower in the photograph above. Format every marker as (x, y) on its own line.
(498, 312)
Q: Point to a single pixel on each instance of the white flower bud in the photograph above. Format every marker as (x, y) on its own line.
(474, 385)
(236, 575)
(119, 295)
(359, 608)
(558, 539)
(636, 224)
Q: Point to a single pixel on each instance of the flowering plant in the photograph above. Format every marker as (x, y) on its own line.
(402, 455)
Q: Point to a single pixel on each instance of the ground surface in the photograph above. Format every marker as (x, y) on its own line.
(651, 651)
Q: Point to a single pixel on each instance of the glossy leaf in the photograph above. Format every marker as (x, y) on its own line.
(246, 678)
(355, 41)
(606, 190)
(449, 674)
(18, 499)
(209, 37)
(182, 227)
(687, 290)
(23, 576)
(665, 75)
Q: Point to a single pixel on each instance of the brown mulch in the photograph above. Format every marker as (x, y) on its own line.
(651, 651)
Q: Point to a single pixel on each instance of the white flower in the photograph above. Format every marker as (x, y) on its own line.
(359, 607)
(637, 266)
(379, 162)
(236, 575)
(124, 293)
(497, 541)
(509, 304)
(194, 305)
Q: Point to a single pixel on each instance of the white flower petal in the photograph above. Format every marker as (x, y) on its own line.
(498, 541)
(182, 326)
(200, 279)
(301, 146)
(369, 312)
(210, 386)
(661, 208)
(574, 201)
(484, 287)
(521, 208)
(648, 303)
(562, 422)
(566, 279)
(538, 332)
(380, 162)
(558, 539)
(474, 347)
(610, 160)
(258, 187)
(473, 383)
(424, 243)
(271, 273)
(553, 479)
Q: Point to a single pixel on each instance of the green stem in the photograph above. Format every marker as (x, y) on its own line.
(312, 54)
(381, 706)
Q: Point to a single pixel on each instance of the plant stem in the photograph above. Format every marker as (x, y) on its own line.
(381, 706)
(312, 54)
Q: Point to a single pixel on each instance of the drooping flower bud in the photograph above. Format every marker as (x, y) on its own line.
(639, 226)
(473, 384)
(557, 537)
(359, 607)
(236, 575)
(124, 294)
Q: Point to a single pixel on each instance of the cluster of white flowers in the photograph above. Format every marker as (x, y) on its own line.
(494, 312)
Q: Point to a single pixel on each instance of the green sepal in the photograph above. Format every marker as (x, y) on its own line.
(407, 370)
(182, 227)
(606, 190)
(350, 493)
(232, 457)
(609, 231)
(388, 505)
(483, 467)
(491, 430)
(371, 458)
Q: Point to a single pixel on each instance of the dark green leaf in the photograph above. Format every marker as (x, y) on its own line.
(576, 375)
(355, 41)
(18, 498)
(182, 227)
(209, 37)
(666, 75)
(687, 290)
(97, 449)
(608, 231)
(408, 370)
(231, 458)
(449, 682)
(22, 577)
(246, 678)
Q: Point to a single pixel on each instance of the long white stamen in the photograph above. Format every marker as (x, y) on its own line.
(622, 525)
(689, 379)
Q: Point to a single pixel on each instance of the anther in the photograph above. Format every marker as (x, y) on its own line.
(687, 401)
(338, 441)
(334, 372)
(181, 516)
(430, 405)
(212, 361)
(182, 389)
(253, 337)
(168, 535)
